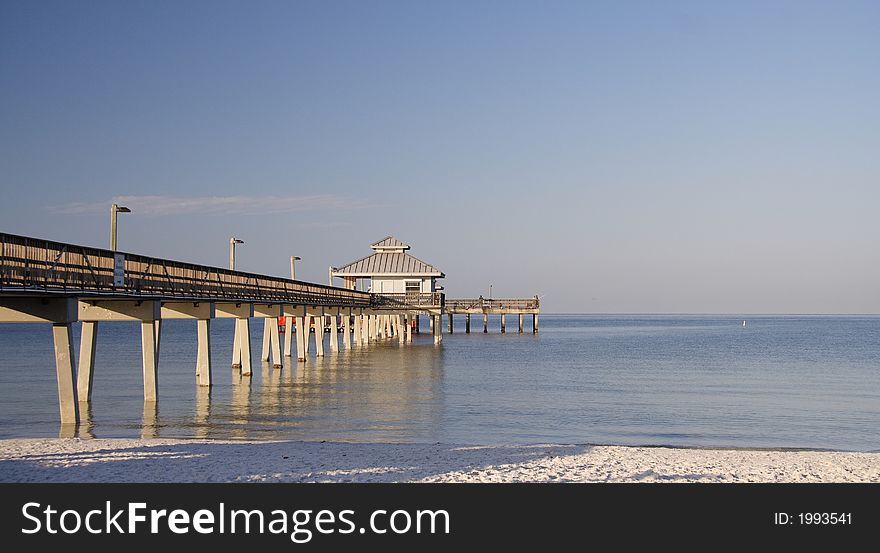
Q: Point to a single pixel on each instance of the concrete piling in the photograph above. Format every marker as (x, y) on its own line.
(65, 373)
(203, 355)
(85, 372)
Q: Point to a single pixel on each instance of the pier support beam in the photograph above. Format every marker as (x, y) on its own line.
(520, 322)
(535, 323)
(318, 314)
(485, 323)
(271, 342)
(418, 330)
(151, 368)
(346, 328)
(401, 328)
(147, 312)
(61, 312)
(437, 328)
(288, 334)
(271, 336)
(334, 331)
(357, 332)
(503, 329)
(450, 323)
(467, 323)
(202, 313)
(85, 372)
(65, 373)
(241, 345)
(373, 328)
(301, 337)
(203, 356)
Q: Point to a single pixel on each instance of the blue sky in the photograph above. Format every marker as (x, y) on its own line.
(610, 156)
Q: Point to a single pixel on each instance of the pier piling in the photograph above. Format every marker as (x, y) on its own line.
(203, 355)
(85, 372)
(65, 373)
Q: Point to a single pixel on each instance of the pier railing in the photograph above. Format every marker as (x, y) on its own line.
(32, 265)
(410, 299)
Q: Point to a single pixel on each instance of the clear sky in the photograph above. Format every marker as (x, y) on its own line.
(617, 156)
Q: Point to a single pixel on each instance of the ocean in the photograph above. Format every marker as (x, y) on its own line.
(678, 380)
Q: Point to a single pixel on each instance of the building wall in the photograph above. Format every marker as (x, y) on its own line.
(398, 285)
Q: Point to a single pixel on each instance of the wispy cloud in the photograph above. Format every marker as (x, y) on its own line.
(156, 206)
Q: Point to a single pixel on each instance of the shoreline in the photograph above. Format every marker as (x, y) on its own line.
(200, 460)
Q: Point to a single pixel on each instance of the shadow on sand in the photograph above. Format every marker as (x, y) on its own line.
(286, 461)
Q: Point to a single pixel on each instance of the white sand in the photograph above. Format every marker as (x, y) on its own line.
(162, 460)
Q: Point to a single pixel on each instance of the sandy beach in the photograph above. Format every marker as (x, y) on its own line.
(167, 460)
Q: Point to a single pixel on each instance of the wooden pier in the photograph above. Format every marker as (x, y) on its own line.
(43, 281)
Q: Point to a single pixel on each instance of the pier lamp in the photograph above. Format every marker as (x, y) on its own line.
(114, 209)
(293, 260)
(232, 242)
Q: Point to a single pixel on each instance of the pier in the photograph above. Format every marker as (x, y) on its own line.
(486, 307)
(61, 284)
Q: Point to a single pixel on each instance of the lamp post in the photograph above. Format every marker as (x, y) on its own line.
(114, 209)
(293, 260)
(232, 242)
(490, 291)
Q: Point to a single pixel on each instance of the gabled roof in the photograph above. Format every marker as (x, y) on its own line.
(389, 242)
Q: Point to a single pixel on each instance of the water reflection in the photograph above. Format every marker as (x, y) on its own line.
(150, 424)
(377, 393)
(202, 419)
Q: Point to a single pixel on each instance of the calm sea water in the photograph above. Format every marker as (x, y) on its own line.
(807, 382)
